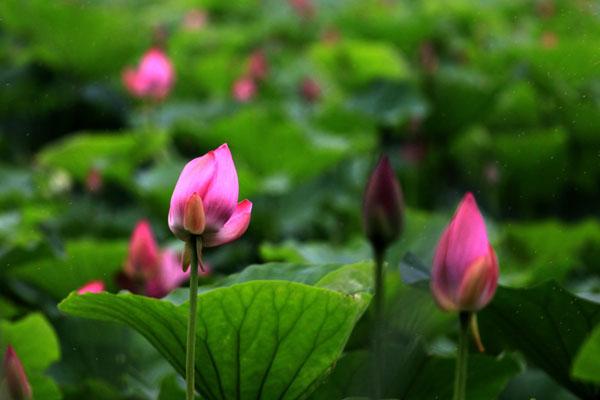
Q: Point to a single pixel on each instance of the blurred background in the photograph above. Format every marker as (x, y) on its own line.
(497, 97)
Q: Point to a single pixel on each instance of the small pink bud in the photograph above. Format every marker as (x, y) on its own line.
(383, 206)
(310, 90)
(213, 180)
(244, 89)
(143, 260)
(16, 379)
(258, 67)
(465, 268)
(153, 78)
(194, 219)
(92, 287)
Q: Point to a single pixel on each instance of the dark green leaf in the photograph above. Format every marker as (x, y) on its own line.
(547, 324)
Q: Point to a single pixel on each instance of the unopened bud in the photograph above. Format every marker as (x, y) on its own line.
(16, 380)
(383, 206)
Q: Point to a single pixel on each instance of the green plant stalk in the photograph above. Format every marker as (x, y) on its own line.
(377, 341)
(191, 333)
(460, 373)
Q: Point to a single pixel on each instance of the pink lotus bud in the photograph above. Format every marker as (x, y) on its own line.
(15, 377)
(310, 90)
(383, 206)
(143, 260)
(213, 179)
(92, 287)
(465, 268)
(244, 89)
(258, 68)
(153, 77)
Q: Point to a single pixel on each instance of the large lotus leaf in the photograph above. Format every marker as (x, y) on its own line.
(260, 339)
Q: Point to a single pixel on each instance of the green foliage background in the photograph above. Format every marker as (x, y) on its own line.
(497, 97)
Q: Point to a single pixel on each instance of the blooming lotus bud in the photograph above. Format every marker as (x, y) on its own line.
(465, 268)
(205, 201)
(15, 377)
(383, 206)
(91, 287)
(244, 89)
(153, 77)
(143, 259)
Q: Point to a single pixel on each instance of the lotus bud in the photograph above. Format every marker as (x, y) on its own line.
(15, 377)
(465, 268)
(205, 201)
(383, 206)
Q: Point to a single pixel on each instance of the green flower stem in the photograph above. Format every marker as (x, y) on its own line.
(377, 340)
(460, 374)
(196, 248)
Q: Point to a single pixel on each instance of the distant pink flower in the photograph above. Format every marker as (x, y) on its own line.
(258, 67)
(93, 180)
(15, 377)
(310, 90)
(153, 77)
(465, 268)
(148, 270)
(205, 200)
(195, 20)
(304, 8)
(143, 259)
(244, 89)
(92, 287)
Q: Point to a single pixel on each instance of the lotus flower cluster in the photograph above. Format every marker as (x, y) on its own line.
(465, 268)
(148, 270)
(153, 78)
(14, 377)
(205, 201)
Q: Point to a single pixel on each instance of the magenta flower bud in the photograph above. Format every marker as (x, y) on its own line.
(15, 377)
(92, 287)
(465, 269)
(383, 206)
(211, 180)
(143, 259)
(153, 78)
(244, 89)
